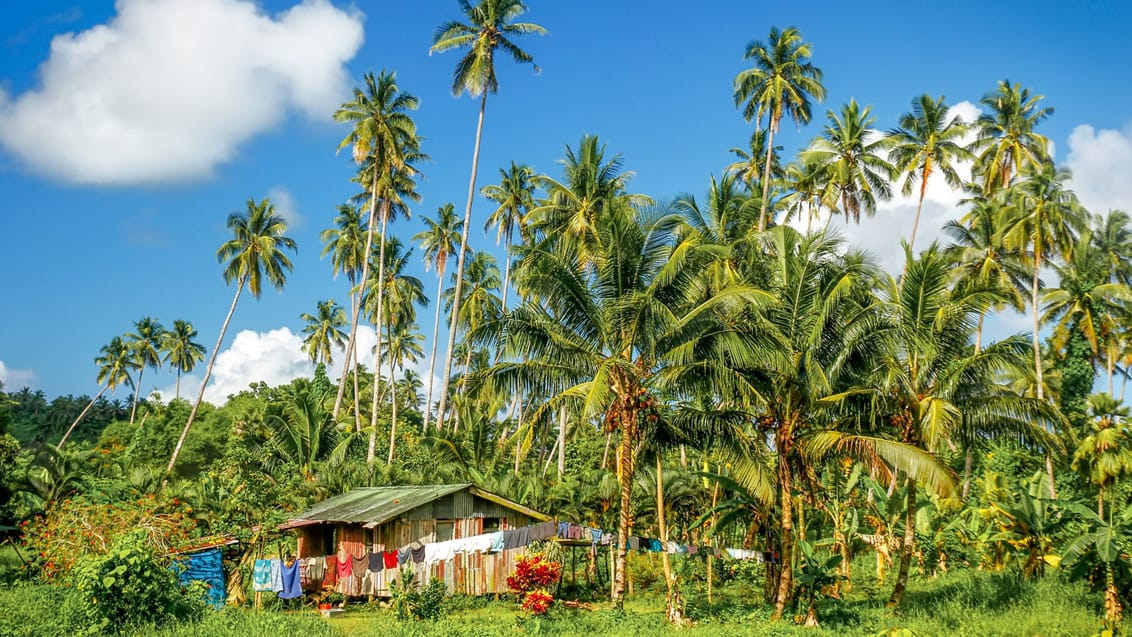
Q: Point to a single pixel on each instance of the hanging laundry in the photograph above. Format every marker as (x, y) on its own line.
(404, 556)
(496, 541)
(261, 576)
(277, 575)
(204, 566)
(564, 530)
(390, 559)
(511, 539)
(417, 551)
(543, 531)
(360, 566)
(595, 536)
(292, 588)
(330, 579)
(316, 570)
(345, 574)
(670, 547)
(376, 562)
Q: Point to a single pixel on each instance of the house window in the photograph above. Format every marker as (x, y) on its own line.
(490, 525)
(444, 529)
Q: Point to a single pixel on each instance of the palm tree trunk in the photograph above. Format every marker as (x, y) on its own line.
(625, 469)
(177, 392)
(906, 548)
(561, 442)
(506, 274)
(786, 541)
(378, 325)
(967, 462)
(393, 414)
(207, 375)
(460, 269)
(711, 543)
(673, 605)
(137, 394)
(772, 126)
(82, 415)
(1038, 379)
(920, 206)
(361, 293)
(435, 337)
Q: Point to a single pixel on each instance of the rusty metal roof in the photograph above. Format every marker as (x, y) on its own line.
(374, 505)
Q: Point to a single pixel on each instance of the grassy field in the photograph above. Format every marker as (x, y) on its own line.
(960, 604)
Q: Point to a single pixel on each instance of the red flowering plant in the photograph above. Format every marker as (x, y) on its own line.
(533, 575)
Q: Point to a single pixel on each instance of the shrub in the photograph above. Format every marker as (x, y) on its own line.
(129, 586)
(410, 603)
(533, 575)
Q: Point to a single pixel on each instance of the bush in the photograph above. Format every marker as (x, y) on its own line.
(410, 603)
(129, 586)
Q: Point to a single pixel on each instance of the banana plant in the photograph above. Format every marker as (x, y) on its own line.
(815, 576)
(1102, 550)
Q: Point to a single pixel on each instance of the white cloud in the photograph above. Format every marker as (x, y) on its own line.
(1101, 162)
(285, 205)
(882, 234)
(15, 379)
(275, 357)
(167, 89)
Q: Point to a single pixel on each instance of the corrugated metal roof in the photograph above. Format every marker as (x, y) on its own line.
(373, 505)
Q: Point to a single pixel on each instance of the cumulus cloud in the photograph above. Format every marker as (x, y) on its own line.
(1101, 162)
(168, 89)
(14, 379)
(882, 234)
(275, 357)
(285, 205)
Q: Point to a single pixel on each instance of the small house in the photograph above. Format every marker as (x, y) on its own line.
(370, 520)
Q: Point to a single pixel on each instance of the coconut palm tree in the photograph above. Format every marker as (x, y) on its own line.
(927, 141)
(940, 390)
(256, 251)
(146, 343)
(345, 242)
(852, 154)
(383, 139)
(782, 82)
(404, 342)
(749, 165)
(181, 352)
(810, 189)
(114, 364)
(490, 26)
(1006, 140)
(1113, 237)
(1105, 455)
(302, 433)
(323, 331)
(481, 300)
(438, 242)
(515, 196)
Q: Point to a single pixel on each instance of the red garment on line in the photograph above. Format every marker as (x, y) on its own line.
(390, 558)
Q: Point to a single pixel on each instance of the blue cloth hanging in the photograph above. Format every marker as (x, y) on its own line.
(292, 582)
(204, 566)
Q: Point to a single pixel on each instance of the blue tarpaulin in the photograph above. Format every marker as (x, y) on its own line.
(204, 566)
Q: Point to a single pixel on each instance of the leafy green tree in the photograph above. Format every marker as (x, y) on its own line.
(481, 300)
(490, 27)
(438, 241)
(302, 433)
(748, 166)
(1105, 455)
(1101, 546)
(1006, 140)
(384, 143)
(146, 343)
(403, 344)
(114, 365)
(858, 172)
(182, 353)
(257, 250)
(515, 195)
(324, 331)
(927, 140)
(783, 81)
(345, 242)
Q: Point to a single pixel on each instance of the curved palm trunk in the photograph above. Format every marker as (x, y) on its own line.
(207, 375)
(177, 391)
(432, 359)
(377, 330)
(82, 415)
(358, 308)
(673, 604)
(772, 127)
(460, 271)
(906, 549)
(920, 206)
(625, 469)
(137, 394)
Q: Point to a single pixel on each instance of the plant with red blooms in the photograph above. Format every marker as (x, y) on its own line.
(533, 575)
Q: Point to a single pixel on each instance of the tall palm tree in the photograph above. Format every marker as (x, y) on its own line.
(1105, 455)
(146, 343)
(810, 190)
(490, 26)
(515, 196)
(439, 241)
(383, 139)
(403, 343)
(481, 300)
(323, 331)
(1006, 139)
(256, 251)
(181, 352)
(749, 164)
(927, 140)
(114, 365)
(1113, 237)
(782, 82)
(853, 155)
(345, 242)
(939, 389)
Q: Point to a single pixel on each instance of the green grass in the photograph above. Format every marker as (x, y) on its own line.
(958, 604)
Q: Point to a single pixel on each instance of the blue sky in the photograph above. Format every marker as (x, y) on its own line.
(95, 238)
